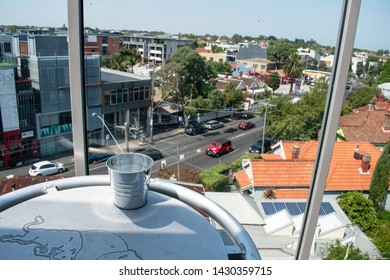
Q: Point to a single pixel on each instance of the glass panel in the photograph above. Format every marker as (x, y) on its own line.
(287, 105)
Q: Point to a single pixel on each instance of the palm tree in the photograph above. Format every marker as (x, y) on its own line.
(132, 60)
(119, 62)
(293, 67)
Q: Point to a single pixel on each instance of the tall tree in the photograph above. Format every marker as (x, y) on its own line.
(198, 77)
(279, 52)
(119, 62)
(233, 96)
(380, 179)
(185, 78)
(384, 77)
(301, 120)
(293, 67)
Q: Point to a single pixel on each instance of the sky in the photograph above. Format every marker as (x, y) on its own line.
(303, 19)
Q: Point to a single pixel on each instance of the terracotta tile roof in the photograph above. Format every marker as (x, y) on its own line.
(271, 157)
(291, 193)
(281, 173)
(308, 150)
(243, 179)
(11, 183)
(364, 125)
(344, 172)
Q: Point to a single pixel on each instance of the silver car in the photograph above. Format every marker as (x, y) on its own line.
(46, 168)
(213, 124)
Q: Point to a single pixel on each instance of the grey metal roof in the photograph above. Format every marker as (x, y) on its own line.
(112, 76)
(251, 51)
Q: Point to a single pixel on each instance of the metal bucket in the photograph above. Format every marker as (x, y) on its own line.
(129, 177)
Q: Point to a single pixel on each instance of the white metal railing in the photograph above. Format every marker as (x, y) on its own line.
(234, 229)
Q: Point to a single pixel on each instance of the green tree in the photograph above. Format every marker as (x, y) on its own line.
(119, 62)
(233, 96)
(219, 67)
(185, 78)
(360, 98)
(279, 52)
(132, 57)
(337, 251)
(197, 106)
(384, 77)
(275, 81)
(217, 99)
(360, 69)
(236, 38)
(216, 49)
(359, 209)
(197, 76)
(380, 179)
(293, 67)
(301, 120)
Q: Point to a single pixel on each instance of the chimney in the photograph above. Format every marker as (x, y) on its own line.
(373, 101)
(295, 152)
(386, 124)
(381, 97)
(365, 166)
(226, 75)
(240, 74)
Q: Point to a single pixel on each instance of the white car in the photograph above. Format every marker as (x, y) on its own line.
(46, 168)
(213, 124)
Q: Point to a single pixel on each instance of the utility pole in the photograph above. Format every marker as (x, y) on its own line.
(127, 136)
(265, 120)
(152, 105)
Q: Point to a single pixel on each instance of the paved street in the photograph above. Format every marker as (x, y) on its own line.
(175, 145)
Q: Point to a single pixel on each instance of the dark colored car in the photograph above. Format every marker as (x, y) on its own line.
(194, 129)
(153, 153)
(256, 148)
(246, 115)
(97, 157)
(246, 125)
(219, 147)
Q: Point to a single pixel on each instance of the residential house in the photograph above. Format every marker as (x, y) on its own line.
(385, 87)
(289, 170)
(304, 53)
(251, 86)
(368, 124)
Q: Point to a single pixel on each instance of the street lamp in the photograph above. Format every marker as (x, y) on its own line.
(100, 118)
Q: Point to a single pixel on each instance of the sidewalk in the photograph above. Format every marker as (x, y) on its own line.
(158, 134)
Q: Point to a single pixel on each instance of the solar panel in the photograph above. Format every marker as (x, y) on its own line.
(294, 208)
(279, 206)
(302, 206)
(328, 208)
(269, 208)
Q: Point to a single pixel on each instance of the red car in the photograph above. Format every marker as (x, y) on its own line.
(246, 125)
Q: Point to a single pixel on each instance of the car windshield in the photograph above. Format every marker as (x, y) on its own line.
(216, 144)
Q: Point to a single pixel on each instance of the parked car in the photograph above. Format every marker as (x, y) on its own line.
(219, 147)
(213, 124)
(246, 125)
(256, 148)
(96, 157)
(246, 115)
(194, 129)
(46, 168)
(153, 153)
